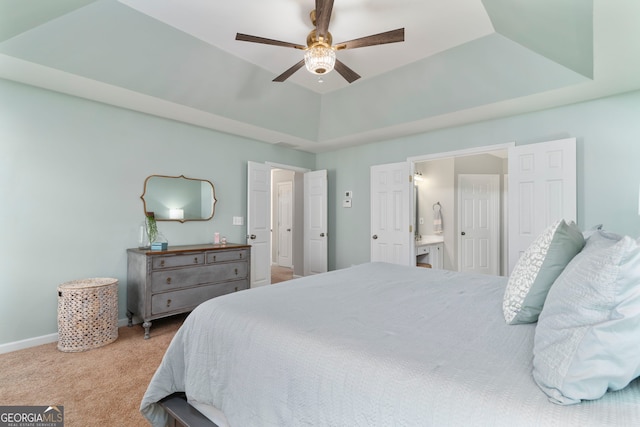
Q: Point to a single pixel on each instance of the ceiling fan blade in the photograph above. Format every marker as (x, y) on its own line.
(346, 72)
(323, 15)
(392, 36)
(256, 39)
(284, 76)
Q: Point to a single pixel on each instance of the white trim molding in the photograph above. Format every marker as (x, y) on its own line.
(41, 340)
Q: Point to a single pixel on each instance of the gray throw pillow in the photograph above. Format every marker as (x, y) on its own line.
(537, 269)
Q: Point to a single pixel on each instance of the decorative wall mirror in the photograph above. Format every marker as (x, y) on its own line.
(178, 198)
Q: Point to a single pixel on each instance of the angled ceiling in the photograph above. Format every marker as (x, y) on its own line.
(462, 61)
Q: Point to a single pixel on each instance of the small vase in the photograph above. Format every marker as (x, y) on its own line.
(143, 236)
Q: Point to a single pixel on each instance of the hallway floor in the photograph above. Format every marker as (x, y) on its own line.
(280, 274)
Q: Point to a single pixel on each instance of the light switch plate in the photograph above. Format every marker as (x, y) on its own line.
(348, 194)
(346, 203)
(238, 220)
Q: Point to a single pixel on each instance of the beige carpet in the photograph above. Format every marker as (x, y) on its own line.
(99, 387)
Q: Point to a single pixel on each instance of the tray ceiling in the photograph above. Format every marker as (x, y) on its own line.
(462, 61)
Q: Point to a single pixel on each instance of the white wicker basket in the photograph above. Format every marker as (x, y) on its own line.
(87, 314)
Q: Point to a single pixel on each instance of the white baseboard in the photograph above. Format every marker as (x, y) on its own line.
(36, 341)
(29, 342)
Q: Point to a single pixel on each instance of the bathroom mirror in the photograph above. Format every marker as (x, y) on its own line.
(178, 198)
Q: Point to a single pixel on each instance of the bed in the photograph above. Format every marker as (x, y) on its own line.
(373, 345)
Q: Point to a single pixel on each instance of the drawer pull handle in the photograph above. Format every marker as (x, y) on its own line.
(168, 280)
(236, 271)
(195, 260)
(240, 255)
(214, 258)
(161, 263)
(168, 302)
(236, 289)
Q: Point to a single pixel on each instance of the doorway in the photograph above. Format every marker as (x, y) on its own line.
(438, 183)
(286, 216)
(540, 189)
(308, 218)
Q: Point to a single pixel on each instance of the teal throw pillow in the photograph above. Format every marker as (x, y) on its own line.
(537, 269)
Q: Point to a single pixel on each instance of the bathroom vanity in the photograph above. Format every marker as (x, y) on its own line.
(430, 250)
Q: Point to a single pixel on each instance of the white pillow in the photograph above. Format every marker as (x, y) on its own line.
(589, 232)
(587, 340)
(537, 269)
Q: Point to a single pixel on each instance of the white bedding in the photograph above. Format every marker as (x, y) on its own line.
(372, 345)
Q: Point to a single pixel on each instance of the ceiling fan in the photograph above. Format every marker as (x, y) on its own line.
(320, 54)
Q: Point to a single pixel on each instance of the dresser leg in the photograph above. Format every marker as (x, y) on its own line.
(130, 318)
(146, 325)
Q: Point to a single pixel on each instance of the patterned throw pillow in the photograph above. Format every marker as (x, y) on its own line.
(537, 269)
(588, 335)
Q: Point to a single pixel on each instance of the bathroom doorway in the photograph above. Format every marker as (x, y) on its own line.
(438, 213)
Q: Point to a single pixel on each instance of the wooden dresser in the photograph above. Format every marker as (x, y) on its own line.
(164, 283)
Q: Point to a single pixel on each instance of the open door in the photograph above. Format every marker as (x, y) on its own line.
(542, 190)
(314, 196)
(259, 222)
(315, 222)
(392, 236)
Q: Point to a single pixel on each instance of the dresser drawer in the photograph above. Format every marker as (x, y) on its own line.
(189, 298)
(422, 250)
(169, 261)
(164, 280)
(216, 256)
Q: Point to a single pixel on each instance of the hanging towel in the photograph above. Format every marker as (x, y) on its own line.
(437, 218)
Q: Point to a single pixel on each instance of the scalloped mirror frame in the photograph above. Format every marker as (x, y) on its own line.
(159, 216)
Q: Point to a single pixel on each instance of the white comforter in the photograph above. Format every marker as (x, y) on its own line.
(372, 345)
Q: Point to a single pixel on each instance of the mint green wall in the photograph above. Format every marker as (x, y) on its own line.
(71, 176)
(608, 150)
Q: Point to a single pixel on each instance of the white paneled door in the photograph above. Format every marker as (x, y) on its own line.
(479, 223)
(259, 222)
(315, 222)
(315, 225)
(285, 224)
(542, 190)
(391, 229)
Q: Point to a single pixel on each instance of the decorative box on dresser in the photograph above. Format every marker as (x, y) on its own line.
(164, 283)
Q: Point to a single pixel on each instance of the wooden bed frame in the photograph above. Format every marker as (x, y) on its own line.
(181, 414)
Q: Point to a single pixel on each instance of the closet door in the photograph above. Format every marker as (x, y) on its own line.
(542, 190)
(315, 222)
(479, 223)
(391, 226)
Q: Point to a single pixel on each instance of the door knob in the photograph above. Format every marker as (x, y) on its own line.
(288, 229)
(321, 234)
(253, 237)
(463, 233)
(374, 237)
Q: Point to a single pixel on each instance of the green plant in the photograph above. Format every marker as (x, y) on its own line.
(152, 226)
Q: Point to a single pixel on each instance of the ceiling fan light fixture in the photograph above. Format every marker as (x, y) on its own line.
(319, 59)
